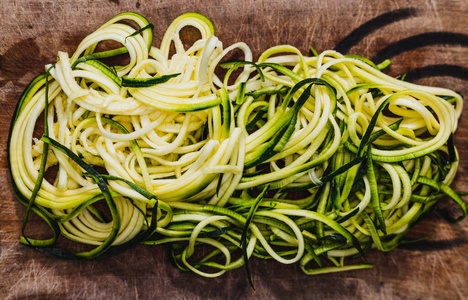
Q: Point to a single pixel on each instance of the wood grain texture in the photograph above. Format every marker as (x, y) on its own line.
(435, 34)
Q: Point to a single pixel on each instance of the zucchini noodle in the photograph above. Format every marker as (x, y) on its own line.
(306, 160)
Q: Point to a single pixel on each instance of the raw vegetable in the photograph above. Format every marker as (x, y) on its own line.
(305, 160)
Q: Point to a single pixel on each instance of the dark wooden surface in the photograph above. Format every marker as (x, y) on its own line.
(428, 37)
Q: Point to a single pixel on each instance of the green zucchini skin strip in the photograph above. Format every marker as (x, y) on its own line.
(146, 82)
(243, 241)
(30, 203)
(99, 55)
(370, 128)
(103, 69)
(107, 196)
(31, 89)
(440, 186)
(329, 177)
(375, 198)
(234, 64)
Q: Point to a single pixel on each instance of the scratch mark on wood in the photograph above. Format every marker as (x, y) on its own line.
(433, 3)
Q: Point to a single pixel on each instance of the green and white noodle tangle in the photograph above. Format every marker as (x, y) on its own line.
(300, 159)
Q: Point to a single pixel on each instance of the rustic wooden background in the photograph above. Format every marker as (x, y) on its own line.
(427, 39)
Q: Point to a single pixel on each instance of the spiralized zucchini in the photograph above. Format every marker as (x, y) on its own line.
(300, 159)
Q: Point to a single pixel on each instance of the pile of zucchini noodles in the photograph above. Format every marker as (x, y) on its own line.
(301, 159)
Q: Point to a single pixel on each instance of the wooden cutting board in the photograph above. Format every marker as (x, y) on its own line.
(426, 39)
